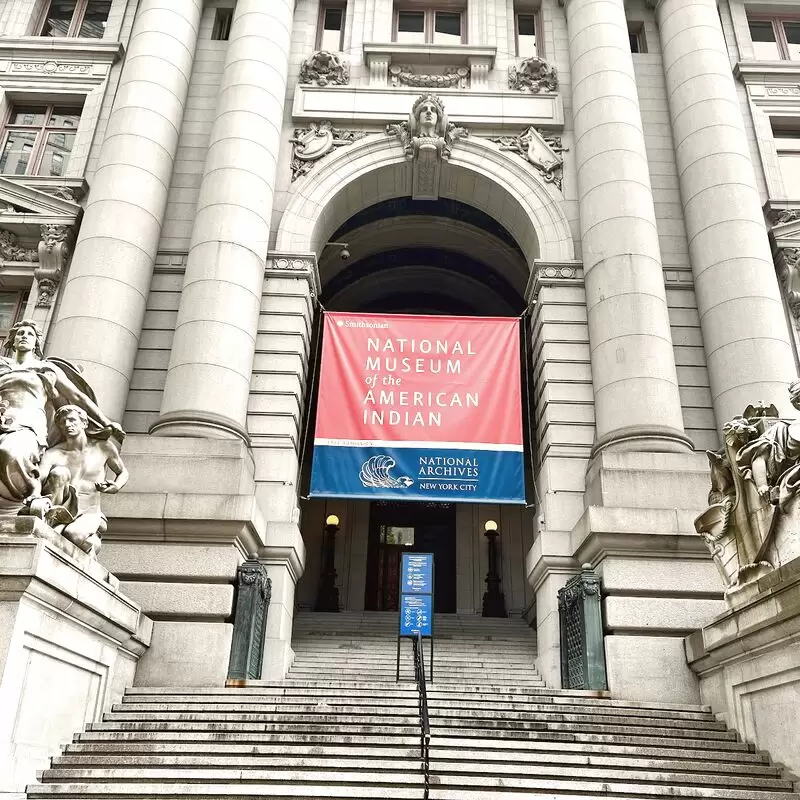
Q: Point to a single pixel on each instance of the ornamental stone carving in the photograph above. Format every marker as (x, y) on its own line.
(543, 151)
(787, 266)
(324, 68)
(427, 139)
(54, 253)
(315, 142)
(10, 249)
(792, 215)
(751, 526)
(452, 77)
(534, 75)
(55, 442)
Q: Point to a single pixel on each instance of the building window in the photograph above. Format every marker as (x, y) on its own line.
(787, 143)
(526, 28)
(636, 37)
(775, 38)
(11, 307)
(330, 28)
(37, 140)
(83, 18)
(223, 19)
(428, 26)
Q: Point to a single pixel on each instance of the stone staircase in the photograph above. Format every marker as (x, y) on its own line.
(340, 727)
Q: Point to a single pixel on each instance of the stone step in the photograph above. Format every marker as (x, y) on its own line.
(283, 756)
(355, 784)
(489, 749)
(407, 715)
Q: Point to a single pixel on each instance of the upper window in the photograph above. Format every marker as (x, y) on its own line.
(526, 29)
(223, 19)
(84, 18)
(636, 37)
(431, 26)
(38, 140)
(11, 306)
(330, 29)
(775, 38)
(787, 143)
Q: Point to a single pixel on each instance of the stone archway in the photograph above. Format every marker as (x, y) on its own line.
(478, 174)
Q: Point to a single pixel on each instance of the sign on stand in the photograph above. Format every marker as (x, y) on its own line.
(416, 600)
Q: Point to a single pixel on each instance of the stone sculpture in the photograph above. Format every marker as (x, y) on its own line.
(427, 139)
(542, 151)
(752, 524)
(324, 68)
(315, 142)
(32, 390)
(534, 75)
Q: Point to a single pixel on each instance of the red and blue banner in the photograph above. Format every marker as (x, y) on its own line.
(419, 408)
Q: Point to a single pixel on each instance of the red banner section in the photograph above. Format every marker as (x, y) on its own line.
(419, 407)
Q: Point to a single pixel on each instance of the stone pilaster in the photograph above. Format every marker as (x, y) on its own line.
(637, 404)
(103, 302)
(745, 334)
(208, 382)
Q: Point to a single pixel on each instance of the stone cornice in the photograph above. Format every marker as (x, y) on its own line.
(38, 48)
(553, 273)
(438, 54)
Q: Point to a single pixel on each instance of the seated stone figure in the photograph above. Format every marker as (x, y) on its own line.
(73, 478)
(752, 523)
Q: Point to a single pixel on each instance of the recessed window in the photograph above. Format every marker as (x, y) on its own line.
(775, 38)
(787, 143)
(428, 26)
(82, 18)
(527, 26)
(330, 30)
(636, 37)
(223, 19)
(38, 140)
(11, 306)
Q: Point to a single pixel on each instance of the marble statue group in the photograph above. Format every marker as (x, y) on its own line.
(752, 525)
(56, 445)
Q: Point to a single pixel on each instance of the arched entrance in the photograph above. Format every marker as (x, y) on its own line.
(470, 253)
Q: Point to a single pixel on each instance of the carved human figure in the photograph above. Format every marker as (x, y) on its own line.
(74, 472)
(428, 125)
(31, 389)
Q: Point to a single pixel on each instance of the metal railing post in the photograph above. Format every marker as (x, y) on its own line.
(253, 592)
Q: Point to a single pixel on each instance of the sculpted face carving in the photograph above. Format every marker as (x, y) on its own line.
(428, 117)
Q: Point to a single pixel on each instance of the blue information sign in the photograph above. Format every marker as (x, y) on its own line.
(417, 573)
(416, 615)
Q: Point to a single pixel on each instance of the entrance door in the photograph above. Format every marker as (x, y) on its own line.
(396, 528)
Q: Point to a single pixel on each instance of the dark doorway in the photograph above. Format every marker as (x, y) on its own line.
(396, 528)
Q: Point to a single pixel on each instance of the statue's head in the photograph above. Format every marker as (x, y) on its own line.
(428, 115)
(794, 394)
(25, 335)
(71, 420)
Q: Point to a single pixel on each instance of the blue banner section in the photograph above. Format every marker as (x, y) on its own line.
(416, 614)
(416, 575)
(416, 473)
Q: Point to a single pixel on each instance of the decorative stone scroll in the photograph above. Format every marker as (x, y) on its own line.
(543, 151)
(752, 524)
(787, 266)
(54, 252)
(324, 68)
(315, 142)
(533, 75)
(427, 139)
(55, 442)
(451, 78)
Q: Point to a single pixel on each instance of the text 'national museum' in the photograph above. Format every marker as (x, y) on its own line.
(400, 399)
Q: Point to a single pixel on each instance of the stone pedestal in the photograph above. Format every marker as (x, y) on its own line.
(70, 641)
(748, 663)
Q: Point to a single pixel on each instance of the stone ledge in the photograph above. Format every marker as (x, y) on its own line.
(40, 564)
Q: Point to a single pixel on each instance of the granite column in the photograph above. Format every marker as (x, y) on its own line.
(103, 301)
(637, 404)
(748, 351)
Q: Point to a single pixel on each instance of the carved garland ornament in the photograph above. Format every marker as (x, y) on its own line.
(324, 68)
(450, 78)
(533, 75)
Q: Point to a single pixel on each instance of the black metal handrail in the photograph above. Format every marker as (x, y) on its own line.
(424, 722)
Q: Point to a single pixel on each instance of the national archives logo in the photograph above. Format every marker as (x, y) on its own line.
(375, 474)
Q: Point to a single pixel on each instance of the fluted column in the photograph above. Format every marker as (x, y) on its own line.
(637, 405)
(208, 381)
(103, 302)
(747, 344)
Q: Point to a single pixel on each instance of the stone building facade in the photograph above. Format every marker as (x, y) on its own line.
(179, 184)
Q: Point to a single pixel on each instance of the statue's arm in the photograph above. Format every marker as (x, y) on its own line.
(115, 464)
